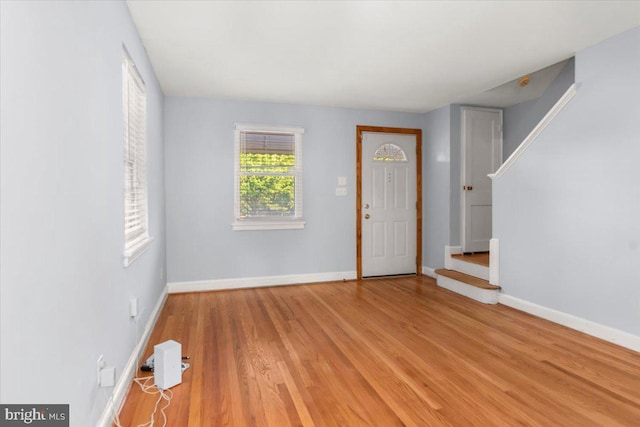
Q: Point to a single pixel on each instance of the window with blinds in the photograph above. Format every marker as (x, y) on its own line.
(136, 219)
(268, 169)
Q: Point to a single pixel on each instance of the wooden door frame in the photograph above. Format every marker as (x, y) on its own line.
(404, 131)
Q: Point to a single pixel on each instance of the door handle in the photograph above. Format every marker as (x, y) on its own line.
(367, 216)
(366, 206)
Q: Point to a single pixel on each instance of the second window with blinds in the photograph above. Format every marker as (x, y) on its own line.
(268, 177)
(136, 216)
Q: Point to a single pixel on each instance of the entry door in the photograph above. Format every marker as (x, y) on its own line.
(388, 204)
(481, 156)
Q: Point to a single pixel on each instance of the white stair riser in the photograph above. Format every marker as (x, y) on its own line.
(486, 296)
(470, 268)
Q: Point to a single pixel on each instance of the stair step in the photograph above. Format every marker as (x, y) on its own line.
(463, 265)
(465, 278)
(480, 258)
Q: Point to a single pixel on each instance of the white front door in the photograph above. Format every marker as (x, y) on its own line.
(481, 155)
(388, 204)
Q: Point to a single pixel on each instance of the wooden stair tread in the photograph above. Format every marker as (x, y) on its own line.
(465, 278)
(481, 258)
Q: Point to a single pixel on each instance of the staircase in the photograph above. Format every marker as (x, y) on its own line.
(468, 275)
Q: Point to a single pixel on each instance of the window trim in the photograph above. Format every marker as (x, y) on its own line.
(134, 246)
(276, 223)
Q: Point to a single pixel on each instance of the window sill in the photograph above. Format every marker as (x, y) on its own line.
(133, 253)
(253, 225)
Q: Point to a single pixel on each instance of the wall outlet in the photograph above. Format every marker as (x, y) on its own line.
(133, 307)
(100, 363)
(107, 377)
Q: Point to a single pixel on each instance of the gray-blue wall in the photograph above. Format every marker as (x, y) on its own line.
(64, 293)
(436, 164)
(199, 134)
(201, 245)
(520, 119)
(566, 214)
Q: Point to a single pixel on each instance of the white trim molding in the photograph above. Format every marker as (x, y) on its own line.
(588, 327)
(134, 252)
(548, 118)
(268, 128)
(128, 372)
(259, 282)
(428, 271)
(494, 262)
(276, 222)
(254, 225)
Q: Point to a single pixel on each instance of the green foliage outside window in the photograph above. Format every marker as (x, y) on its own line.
(267, 185)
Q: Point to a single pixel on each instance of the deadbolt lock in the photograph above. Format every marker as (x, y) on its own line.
(367, 216)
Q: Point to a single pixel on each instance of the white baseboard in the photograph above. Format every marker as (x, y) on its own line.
(128, 372)
(485, 296)
(606, 333)
(428, 271)
(259, 282)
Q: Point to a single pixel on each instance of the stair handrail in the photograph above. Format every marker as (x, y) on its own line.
(551, 114)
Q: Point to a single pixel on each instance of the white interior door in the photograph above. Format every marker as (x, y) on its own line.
(481, 155)
(388, 204)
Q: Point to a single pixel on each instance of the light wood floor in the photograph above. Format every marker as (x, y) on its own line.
(381, 353)
(481, 258)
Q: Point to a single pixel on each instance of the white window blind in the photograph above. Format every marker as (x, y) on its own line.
(268, 181)
(136, 220)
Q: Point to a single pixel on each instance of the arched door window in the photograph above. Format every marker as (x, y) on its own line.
(389, 153)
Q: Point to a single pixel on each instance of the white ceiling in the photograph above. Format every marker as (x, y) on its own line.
(390, 55)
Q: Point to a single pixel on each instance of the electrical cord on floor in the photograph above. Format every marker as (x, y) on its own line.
(167, 395)
(152, 389)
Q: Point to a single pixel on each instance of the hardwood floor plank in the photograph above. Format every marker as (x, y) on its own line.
(443, 377)
(333, 368)
(383, 352)
(229, 374)
(481, 258)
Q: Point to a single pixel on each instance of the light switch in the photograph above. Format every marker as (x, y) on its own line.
(342, 181)
(341, 191)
